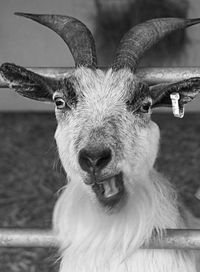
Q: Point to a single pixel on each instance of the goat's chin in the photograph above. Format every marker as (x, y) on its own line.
(93, 235)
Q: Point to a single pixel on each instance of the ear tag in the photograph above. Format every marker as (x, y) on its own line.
(177, 110)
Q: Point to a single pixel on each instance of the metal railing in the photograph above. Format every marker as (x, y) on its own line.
(172, 238)
(154, 75)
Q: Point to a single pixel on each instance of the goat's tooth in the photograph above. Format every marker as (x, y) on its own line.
(110, 187)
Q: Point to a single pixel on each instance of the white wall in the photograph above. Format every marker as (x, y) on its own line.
(27, 43)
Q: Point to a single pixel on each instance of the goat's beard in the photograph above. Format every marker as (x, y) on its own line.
(97, 237)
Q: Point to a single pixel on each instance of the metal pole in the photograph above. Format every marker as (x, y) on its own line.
(150, 75)
(172, 239)
(10, 237)
(157, 75)
(178, 239)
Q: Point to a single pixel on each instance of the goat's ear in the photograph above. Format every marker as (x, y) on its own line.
(187, 89)
(28, 83)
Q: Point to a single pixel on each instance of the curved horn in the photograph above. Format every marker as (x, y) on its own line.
(75, 34)
(141, 37)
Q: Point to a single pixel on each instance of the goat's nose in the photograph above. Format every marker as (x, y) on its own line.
(93, 160)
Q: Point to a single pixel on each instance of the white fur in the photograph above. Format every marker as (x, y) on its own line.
(93, 238)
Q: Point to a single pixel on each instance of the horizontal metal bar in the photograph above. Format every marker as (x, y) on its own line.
(154, 75)
(26, 238)
(172, 239)
(157, 75)
(178, 239)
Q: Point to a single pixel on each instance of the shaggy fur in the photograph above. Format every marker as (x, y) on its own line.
(96, 238)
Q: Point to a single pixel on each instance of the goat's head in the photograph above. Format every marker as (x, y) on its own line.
(104, 128)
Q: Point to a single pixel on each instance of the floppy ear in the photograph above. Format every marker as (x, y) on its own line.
(27, 83)
(187, 89)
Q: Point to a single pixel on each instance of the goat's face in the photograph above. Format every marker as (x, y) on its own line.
(104, 132)
(104, 126)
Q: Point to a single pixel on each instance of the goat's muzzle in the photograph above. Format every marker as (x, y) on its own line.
(110, 191)
(96, 162)
(93, 160)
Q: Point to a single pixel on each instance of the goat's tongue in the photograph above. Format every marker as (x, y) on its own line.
(110, 188)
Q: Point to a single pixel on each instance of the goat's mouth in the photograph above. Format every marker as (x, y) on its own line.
(110, 191)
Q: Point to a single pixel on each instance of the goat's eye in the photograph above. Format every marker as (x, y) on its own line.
(145, 107)
(60, 102)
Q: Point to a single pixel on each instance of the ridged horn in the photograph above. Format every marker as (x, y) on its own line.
(141, 37)
(74, 33)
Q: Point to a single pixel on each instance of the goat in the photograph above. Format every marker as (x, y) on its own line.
(114, 201)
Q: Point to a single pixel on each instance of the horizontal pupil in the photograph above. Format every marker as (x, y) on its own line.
(146, 107)
(60, 103)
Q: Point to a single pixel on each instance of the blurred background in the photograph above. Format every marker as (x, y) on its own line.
(30, 171)
(27, 43)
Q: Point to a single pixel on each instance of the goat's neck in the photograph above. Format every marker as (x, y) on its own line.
(151, 205)
(95, 240)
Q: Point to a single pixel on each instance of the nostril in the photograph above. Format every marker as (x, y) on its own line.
(94, 159)
(104, 159)
(84, 161)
